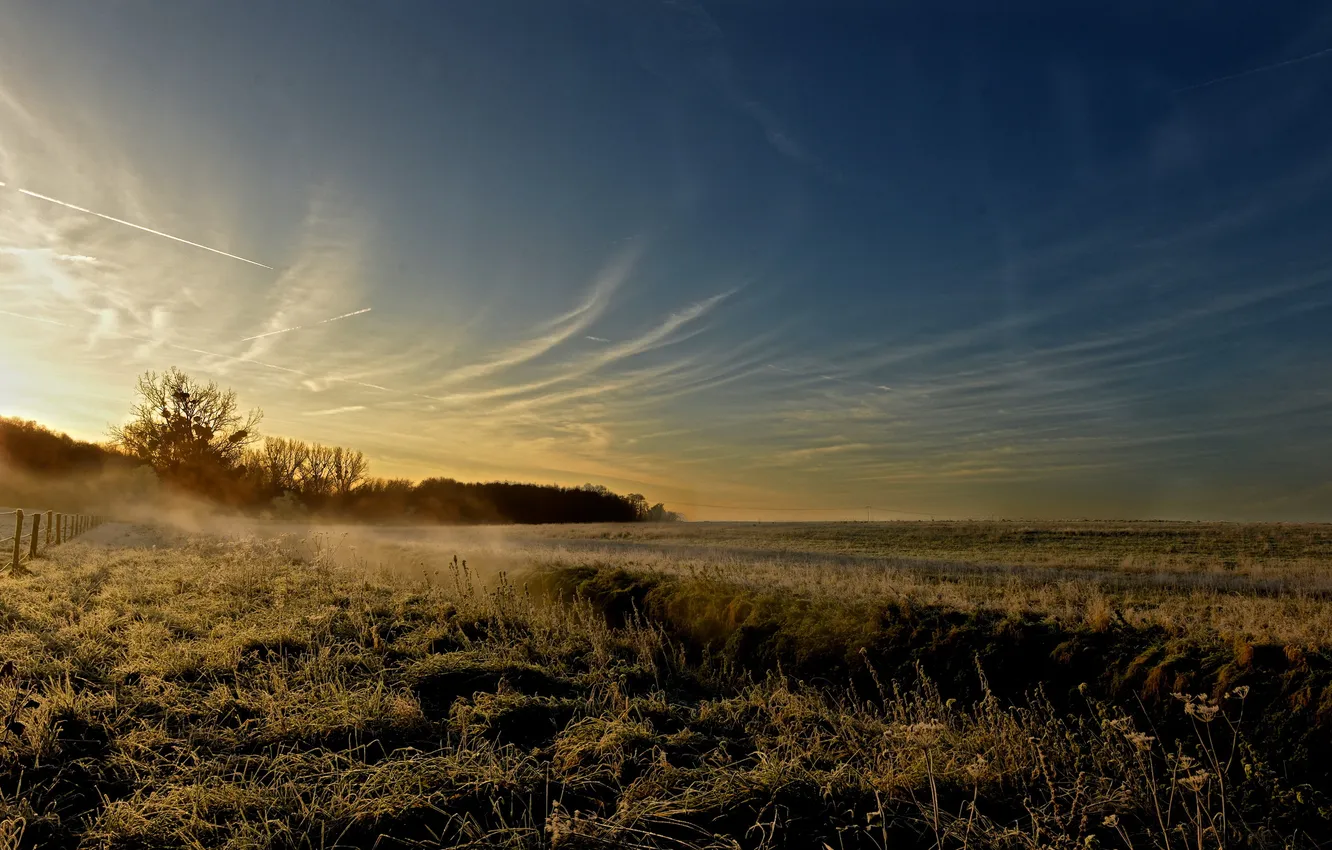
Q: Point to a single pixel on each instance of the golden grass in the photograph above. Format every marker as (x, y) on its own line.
(243, 694)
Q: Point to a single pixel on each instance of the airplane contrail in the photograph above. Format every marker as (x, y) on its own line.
(273, 333)
(346, 315)
(1273, 66)
(298, 327)
(34, 319)
(67, 205)
(231, 357)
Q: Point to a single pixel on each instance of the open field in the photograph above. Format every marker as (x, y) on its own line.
(1176, 545)
(1256, 583)
(669, 686)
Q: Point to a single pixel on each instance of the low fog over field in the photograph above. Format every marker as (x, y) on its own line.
(1266, 582)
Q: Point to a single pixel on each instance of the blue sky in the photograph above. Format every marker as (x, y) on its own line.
(962, 259)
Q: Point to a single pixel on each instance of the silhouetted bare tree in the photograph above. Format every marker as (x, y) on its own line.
(189, 431)
(281, 460)
(349, 468)
(317, 474)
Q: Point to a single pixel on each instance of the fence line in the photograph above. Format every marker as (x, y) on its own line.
(29, 542)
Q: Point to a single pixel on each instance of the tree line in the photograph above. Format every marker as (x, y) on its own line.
(195, 438)
(35, 449)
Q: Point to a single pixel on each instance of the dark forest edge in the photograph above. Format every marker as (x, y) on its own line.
(187, 437)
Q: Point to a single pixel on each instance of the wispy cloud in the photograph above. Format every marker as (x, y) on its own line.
(334, 411)
(324, 275)
(681, 38)
(159, 331)
(106, 325)
(664, 333)
(805, 454)
(65, 258)
(563, 327)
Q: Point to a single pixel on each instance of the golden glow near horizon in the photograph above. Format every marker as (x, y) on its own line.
(89, 299)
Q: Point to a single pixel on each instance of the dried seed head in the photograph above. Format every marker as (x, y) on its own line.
(1202, 711)
(1197, 781)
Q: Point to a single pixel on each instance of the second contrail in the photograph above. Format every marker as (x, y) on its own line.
(298, 327)
(68, 205)
(1260, 70)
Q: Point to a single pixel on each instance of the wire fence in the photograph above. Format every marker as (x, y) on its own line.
(36, 532)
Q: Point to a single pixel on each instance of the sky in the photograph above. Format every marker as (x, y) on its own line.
(758, 260)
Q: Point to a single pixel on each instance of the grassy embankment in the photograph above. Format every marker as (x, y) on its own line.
(234, 695)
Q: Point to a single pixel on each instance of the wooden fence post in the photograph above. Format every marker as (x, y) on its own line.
(36, 529)
(18, 539)
(48, 529)
(59, 520)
